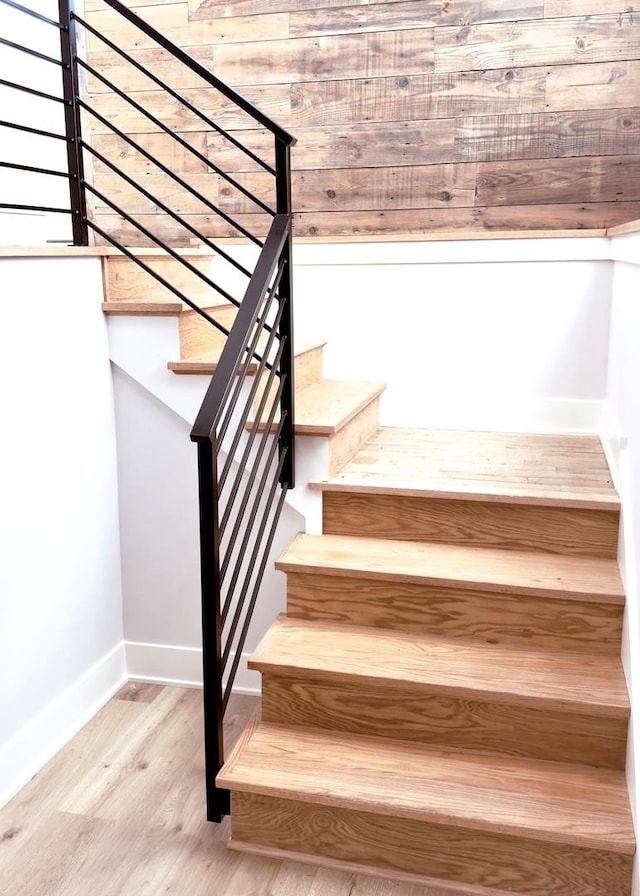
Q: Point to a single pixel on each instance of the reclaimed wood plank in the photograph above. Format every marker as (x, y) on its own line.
(416, 97)
(597, 85)
(204, 9)
(173, 20)
(334, 57)
(587, 7)
(408, 14)
(159, 61)
(604, 179)
(597, 38)
(548, 135)
(366, 145)
(338, 190)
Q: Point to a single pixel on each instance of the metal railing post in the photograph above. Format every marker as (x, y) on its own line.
(218, 800)
(285, 292)
(68, 50)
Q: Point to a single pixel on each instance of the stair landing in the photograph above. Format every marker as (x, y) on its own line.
(536, 468)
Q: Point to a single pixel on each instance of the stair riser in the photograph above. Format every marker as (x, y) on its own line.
(432, 717)
(552, 623)
(125, 281)
(405, 846)
(558, 530)
(197, 335)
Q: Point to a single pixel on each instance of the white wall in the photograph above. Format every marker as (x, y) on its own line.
(158, 486)
(28, 149)
(61, 634)
(621, 429)
(490, 334)
(478, 334)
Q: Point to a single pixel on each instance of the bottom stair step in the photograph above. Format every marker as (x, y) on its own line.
(514, 825)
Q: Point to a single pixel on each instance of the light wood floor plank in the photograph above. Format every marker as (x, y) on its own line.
(145, 833)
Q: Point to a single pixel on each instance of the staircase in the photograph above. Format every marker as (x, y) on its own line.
(444, 700)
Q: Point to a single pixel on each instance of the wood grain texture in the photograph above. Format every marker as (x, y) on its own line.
(125, 281)
(594, 38)
(328, 58)
(156, 838)
(443, 720)
(368, 88)
(490, 864)
(551, 623)
(459, 566)
(327, 407)
(426, 665)
(562, 469)
(407, 14)
(558, 530)
(549, 802)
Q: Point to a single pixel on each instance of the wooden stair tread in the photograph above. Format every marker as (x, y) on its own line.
(207, 362)
(540, 574)
(558, 470)
(147, 308)
(488, 672)
(544, 801)
(324, 408)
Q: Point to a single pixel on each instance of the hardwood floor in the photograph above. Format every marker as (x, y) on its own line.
(120, 812)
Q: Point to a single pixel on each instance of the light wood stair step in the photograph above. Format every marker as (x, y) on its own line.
(511, 824)
(328, 406)
(308, 357)
(560, 469)
(345, 412)
(462, 566)
(506, 597)
(431, 689)
(543, 492)
(151, 309)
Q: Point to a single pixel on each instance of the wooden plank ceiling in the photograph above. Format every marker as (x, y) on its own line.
(412, 116)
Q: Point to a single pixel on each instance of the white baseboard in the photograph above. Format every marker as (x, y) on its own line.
(182, 666)
(39, 740)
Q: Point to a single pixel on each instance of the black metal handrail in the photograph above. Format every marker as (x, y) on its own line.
(229, 601)
(244, 429)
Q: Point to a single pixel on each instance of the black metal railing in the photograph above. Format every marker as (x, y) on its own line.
(244, 429)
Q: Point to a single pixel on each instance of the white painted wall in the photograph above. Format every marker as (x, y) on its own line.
(61, 633)
(157, 466)
(477, 334)
(492, 335)
(621, 429)
(28, 149)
